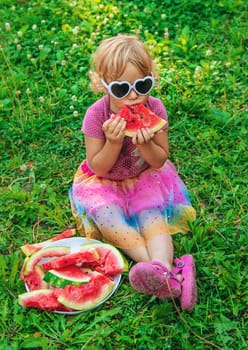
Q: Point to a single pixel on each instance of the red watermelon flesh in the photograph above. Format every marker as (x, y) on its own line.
(29, 249)
(111, 261)
(137, 117)
(81, 257)
(88, 295)
(34, 280)
(43, 299)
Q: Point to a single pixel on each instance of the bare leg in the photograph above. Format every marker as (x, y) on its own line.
(115, 230)
(155, 232)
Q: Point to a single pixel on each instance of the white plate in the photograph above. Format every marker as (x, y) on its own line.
(74, 243)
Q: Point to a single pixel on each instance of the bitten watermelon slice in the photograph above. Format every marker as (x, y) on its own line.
(72, 275)
(44, 299)
(89, 295)
(87, 254)
(34, 280)
(43, 253)
(29, 249)
(137, 117)
(111, 261)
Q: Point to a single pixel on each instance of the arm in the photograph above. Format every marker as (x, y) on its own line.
(154, 148)
(103, 154)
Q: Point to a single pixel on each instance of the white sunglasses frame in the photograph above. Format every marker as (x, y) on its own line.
(131, 86)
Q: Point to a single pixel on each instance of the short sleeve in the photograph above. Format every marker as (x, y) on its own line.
(94, 118)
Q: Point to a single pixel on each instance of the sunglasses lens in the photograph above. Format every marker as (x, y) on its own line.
(144, 86)
(120, 90)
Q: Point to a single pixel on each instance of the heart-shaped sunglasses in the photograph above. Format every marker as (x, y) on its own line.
(120, 89)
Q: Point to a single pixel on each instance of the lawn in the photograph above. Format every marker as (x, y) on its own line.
(200, 51)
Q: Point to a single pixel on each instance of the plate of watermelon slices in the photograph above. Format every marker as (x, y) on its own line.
(70, 275)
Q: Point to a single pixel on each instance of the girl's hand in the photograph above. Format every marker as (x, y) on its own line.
(114, 129)
(143, 136)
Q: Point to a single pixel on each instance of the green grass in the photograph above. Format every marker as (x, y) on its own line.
(200, 50)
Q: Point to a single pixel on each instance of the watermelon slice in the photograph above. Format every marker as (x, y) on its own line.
(87, 296)
(43, 253)
(111, 261)
(72, 275)
(44, 299)
(87, 254)
(34, 280)
(29, 249)
(137, 117)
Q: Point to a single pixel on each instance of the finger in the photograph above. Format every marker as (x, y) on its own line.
(140, 138)
(147, 134)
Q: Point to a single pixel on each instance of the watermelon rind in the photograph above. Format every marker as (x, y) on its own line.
(43, 253)
(122, 261)
(57, 278)
(29, 249)
(44, 299)
(154, 129)
(71, 295)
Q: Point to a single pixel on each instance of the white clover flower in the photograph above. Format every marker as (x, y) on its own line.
(18, 92)
(41, 47)
(208, 53)
(19, 34)
(19, 47)
(74, 98)
(43, 186)
(197, 72)
(63, 62)
(163, 16)
(29, 56)
(166, 33)
(34, 26)
(7, 26)
(74, 46)
(16, 41)
(23, 167)
(75, 113)
(213, 64)
(75, 30)
(71, 107)
(41, 99)
(53, 29)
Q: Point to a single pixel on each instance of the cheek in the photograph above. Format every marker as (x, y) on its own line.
(143, 99)
(115, 104)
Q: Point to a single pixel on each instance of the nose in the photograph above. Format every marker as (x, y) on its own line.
(133, 94)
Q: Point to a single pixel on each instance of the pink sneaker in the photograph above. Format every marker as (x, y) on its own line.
(186, 267)
(154, 278)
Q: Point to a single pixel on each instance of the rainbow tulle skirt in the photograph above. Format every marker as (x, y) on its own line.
(127, 212)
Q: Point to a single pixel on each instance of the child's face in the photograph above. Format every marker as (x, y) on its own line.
(130, 74)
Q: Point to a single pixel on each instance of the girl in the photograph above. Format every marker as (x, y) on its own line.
(126, 192)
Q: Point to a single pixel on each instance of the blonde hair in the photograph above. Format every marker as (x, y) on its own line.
(113, 55)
